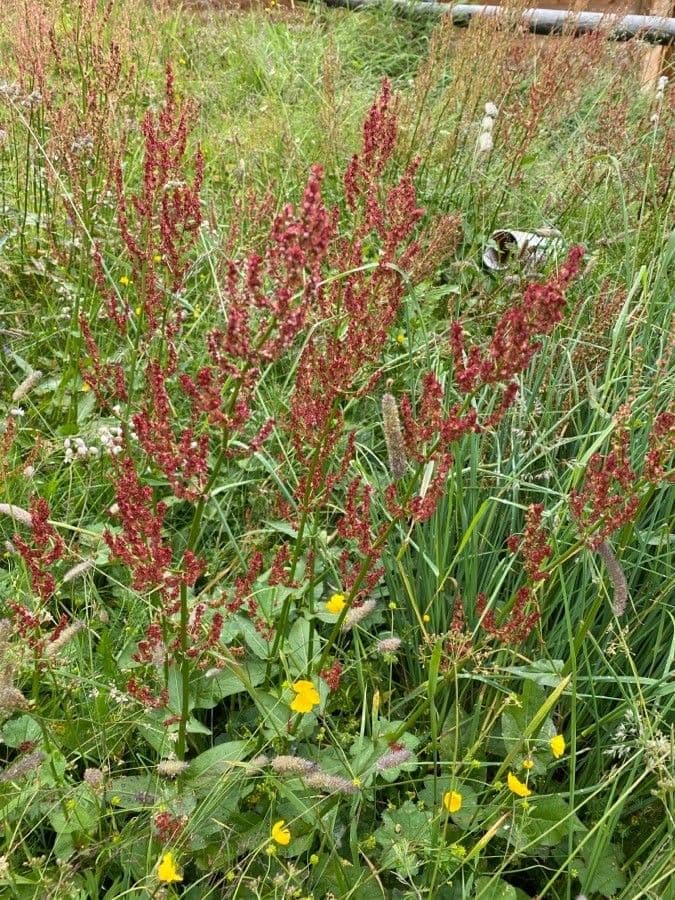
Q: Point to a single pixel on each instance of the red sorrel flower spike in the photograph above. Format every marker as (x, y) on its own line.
(513, 343)
(519, 622)
(534, 544)
(107, 380)
(332, 676)
(607, 499)
(183, 460)
(661, 446)
(379, 140)
(47, 547)
(141, 546)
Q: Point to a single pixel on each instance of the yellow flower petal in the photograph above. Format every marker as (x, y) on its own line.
(517, 786)
(280, 833)
(336, 604)
(306, 697)
(167, 869)
(452, 801)
(557, 745)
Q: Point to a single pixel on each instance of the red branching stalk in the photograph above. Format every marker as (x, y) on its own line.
(332, 675)
(534, 547)
(184, 461)
(47, 547)
(519, 624)
(608, 498)
(160, 224)
(106, 379)
(430, 431)
(661, 447)
(141, 545)
(458, 643)
(513, 344)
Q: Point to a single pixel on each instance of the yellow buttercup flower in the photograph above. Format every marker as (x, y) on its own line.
(336, 604)
(452, 801)
(557, 745)
(528, 764)
(280, 833)
(167, 869)
(517, 786)
(426, 617)
(125, 280)
(306, 697)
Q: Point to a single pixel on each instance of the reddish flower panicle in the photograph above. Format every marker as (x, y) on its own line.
(607, 499)
(534, 544)
(47, 547)
(519, 622)
(332, 676)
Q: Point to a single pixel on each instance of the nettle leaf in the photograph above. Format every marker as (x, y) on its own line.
(19, 731)
(334, 877)
(600, 872)
(548, 821)
(404, 833)
(78, 812)
(490, 888)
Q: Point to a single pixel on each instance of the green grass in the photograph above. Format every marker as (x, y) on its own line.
(268, 95)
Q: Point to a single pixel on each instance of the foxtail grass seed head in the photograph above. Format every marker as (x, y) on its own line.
(357, 614)
(11, 698)
(68, 633)
(22, 766)
(397, 755)
(329, 784)
(388, 645)
(27, 386)
(393, 436)
(258, 762)
(292, 765)
(661, 86)
(94, 777)
(17, 513)
(616, 576)
(171, 768)
(485, 142)
(78, 570)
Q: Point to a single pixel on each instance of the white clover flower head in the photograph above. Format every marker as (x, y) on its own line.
(491, 109)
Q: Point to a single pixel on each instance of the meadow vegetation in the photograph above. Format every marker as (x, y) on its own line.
(334, 564)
